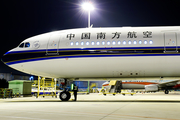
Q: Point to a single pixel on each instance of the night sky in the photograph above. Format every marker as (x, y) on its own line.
(21, 19)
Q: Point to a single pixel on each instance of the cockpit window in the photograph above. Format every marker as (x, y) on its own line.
(27, 44)
(21, 45)
(24, 45)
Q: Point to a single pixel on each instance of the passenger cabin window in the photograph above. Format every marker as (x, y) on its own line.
(87, 43)
(113, 42)
(124, 42)
(77, 43)
(150, 42)
(98, 43)
(145, 42)
(103, 43)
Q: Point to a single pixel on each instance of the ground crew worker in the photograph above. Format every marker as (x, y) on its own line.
(75, 92)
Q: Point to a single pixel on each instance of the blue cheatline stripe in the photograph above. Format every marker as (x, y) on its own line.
(87, 56)
(25, 51)
(107, 48)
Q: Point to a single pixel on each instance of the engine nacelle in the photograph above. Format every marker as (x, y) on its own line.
(150, 88)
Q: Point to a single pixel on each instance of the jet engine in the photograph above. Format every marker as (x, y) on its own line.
(150, 88)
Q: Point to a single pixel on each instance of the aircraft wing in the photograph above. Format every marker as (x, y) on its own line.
(169, 84)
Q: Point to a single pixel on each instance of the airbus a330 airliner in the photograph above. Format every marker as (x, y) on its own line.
(123, 53)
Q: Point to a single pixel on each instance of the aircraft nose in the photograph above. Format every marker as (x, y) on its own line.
(4, 58)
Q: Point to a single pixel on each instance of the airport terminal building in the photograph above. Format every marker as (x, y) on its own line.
(10, 76)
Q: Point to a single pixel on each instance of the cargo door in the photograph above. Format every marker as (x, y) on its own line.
(170, 42)
(53, 45)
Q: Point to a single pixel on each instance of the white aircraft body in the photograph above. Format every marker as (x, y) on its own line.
(131, 53)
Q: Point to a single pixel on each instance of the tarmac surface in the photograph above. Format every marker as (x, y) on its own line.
(149, 106)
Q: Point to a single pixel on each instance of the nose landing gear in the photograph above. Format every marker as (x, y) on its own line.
(65, 95)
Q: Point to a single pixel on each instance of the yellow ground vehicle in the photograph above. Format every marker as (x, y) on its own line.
(115, 87)
(95, 90)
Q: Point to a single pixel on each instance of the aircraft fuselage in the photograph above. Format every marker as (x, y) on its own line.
(127, 52)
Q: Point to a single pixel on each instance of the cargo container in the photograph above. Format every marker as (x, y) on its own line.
(21, 87)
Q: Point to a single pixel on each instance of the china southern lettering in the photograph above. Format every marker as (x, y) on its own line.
(115, 35)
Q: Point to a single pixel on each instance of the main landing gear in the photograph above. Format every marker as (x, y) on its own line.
(166, 91)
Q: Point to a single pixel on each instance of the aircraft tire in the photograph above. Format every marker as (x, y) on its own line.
(166, 91)
(64, 96)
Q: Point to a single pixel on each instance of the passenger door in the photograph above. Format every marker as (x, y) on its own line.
(53, 45)
(170, 42)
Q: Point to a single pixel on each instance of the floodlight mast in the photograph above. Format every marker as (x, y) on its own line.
(89, 18)
(88, 7)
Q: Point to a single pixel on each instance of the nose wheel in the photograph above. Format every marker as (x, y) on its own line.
(65, 96)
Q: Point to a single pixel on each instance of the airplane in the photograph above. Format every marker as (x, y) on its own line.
(144, 85)
(126, 53)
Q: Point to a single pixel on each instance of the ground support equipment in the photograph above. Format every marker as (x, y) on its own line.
(47, 87)
(6, 93)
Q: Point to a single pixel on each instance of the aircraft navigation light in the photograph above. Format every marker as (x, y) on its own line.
(88, 6)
